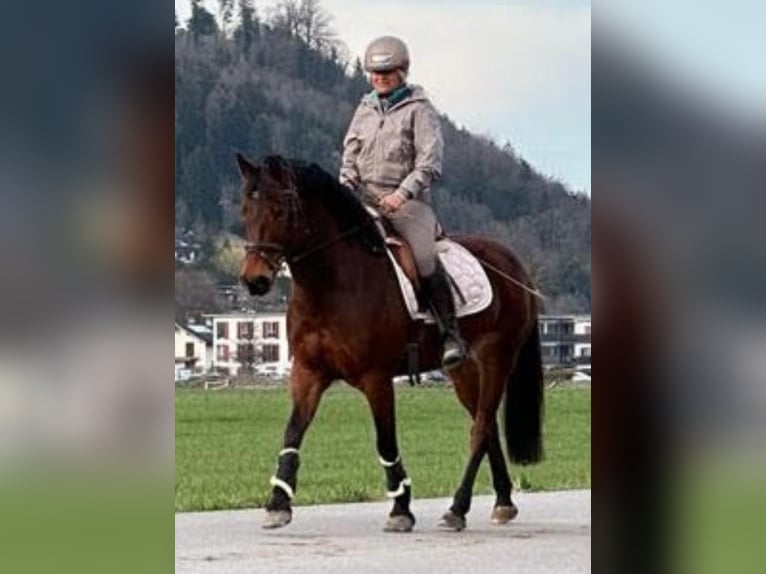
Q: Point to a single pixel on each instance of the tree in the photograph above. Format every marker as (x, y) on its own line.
(307, 20)
(314, 26)
(225, 13)
(247, 31)
(195, 294)
(201, 22)
(227, 258)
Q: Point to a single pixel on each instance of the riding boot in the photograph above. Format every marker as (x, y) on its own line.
(437, 292)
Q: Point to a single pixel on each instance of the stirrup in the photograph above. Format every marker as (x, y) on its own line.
(454, 354)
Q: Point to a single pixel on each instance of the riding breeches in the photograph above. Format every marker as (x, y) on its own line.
(415, 221)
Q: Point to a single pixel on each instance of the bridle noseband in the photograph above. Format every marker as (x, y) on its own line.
(273, 254)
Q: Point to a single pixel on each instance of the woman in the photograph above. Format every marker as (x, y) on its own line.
(392, 154)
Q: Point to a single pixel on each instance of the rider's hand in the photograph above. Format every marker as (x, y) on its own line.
(392, 202)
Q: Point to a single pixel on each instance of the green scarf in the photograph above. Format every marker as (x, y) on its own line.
(393, 98)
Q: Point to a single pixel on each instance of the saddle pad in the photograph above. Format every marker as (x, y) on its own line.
(467, 273)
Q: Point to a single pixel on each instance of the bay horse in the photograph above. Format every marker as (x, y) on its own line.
(347, 320)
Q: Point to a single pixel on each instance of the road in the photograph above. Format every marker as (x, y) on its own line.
(552, 534)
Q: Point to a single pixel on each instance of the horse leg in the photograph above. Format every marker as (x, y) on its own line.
(380, 396)
(486, 402)
(307, 387)
(454, 518)
(467, 389)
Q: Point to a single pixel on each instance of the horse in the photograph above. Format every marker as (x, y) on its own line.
(347, 321)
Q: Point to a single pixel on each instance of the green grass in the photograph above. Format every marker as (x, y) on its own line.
(227, 442)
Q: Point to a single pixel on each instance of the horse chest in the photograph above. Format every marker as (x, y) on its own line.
(339, 352)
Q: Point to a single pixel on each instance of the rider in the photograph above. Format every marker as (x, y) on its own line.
(392, 153)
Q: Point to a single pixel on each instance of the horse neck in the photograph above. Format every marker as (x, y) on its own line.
(338, 263)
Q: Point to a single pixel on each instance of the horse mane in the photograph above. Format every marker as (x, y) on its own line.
(340, 202)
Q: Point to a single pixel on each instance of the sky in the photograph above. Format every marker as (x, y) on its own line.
(517, 72)
(713, 47)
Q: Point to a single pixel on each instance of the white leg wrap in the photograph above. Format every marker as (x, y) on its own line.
(399, 491)
(387, 464)
(288, 451)
(278, 482)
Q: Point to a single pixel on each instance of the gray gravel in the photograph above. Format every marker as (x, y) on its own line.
(552, 534)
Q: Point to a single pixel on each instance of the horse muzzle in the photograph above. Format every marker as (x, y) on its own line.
(258, 286)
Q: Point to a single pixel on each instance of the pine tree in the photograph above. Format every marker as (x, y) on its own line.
(201, 22)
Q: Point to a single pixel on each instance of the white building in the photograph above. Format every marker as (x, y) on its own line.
(255, 342)
(565, 339)
(582, 342)
(193, 352)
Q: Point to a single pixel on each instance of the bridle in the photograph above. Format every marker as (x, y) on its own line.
(275, 254)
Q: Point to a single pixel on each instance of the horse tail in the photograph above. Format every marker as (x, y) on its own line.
(524, 404)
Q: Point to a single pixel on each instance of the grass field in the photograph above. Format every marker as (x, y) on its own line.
(227, 442)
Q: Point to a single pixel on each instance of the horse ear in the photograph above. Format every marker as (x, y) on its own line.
(274, 168)
(247, 169)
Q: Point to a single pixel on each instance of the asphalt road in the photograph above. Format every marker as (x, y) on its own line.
(552, 534)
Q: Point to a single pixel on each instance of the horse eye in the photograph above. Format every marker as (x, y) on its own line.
(253, 194)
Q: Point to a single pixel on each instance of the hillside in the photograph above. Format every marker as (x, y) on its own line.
(284, 86)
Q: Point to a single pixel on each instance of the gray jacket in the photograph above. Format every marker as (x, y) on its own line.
(397, 149)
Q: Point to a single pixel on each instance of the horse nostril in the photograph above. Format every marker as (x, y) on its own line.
(260, 286)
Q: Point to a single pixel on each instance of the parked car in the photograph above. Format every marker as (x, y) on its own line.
(271, 371)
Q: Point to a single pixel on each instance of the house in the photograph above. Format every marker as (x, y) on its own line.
(251, 343)
(193, 351)
(186, 251)
(565, 339)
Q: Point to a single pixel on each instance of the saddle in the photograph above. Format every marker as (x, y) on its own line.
(402, 252)
(470, 285)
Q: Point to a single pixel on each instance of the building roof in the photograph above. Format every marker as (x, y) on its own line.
(248, 315)
(206, 338)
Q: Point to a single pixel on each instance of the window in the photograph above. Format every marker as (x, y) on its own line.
(189, 349)
(222, 330)
(585, 352)
(270, 353)
(222, 353)
(246, 353)
(271, 330)
(245, 330)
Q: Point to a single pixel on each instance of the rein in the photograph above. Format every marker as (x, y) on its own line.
(274, 254)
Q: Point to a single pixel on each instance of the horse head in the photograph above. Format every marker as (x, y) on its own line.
(269, 204)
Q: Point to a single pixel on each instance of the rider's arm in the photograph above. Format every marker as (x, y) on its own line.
(428, 148)
(352, 144)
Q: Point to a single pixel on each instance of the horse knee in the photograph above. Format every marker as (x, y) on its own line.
(481, 433)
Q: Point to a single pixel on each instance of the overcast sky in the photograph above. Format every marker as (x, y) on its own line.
(514, 71)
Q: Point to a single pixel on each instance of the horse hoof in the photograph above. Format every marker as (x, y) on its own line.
(399, 523)
(277, 519)
(452, 521)
(504, 514)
